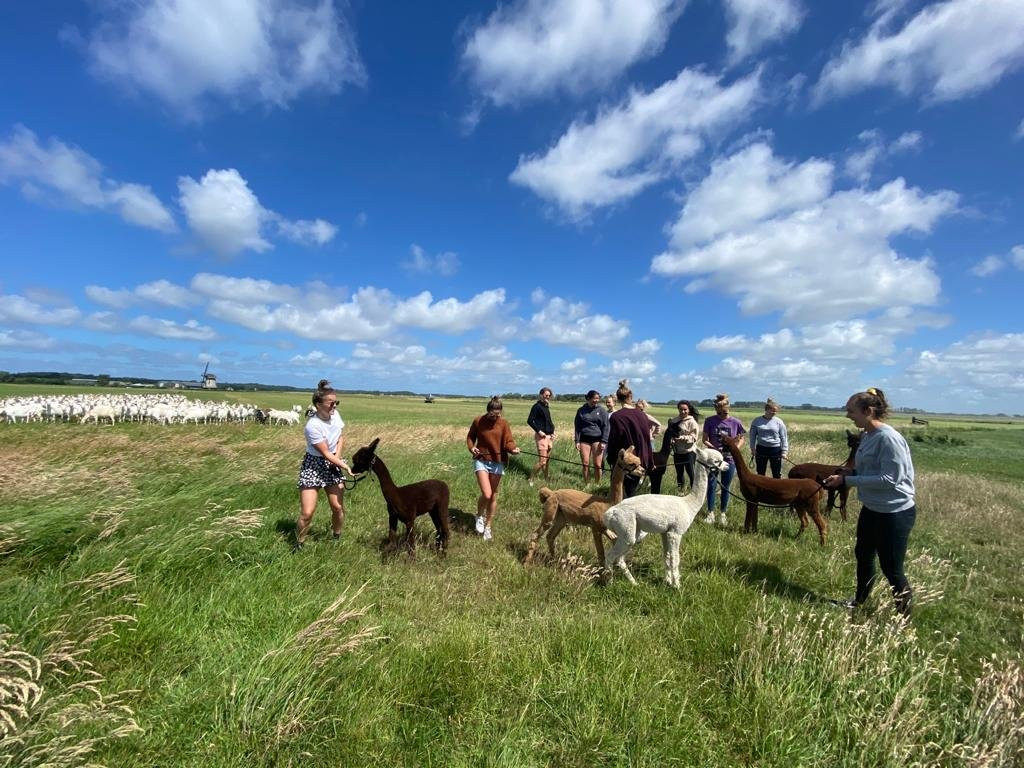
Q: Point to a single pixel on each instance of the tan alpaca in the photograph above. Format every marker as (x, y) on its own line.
(570, 506)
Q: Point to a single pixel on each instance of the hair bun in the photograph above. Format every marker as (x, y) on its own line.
(624, 383)
(324, 384)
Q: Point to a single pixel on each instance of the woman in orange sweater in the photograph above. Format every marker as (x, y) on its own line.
(490, 441)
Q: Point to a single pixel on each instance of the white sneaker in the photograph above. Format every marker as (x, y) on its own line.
(722, 519)
(479, 523)
(709, 518)
(487, 533)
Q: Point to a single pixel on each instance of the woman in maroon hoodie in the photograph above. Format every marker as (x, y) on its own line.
(629, 426)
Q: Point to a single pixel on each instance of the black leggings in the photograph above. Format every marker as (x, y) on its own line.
(684, 463)
(764, 456)
(885, 535)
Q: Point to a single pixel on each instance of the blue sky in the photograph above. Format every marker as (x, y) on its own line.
(761, 197)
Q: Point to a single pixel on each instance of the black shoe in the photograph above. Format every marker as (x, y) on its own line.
(297, 547)
(336, 537)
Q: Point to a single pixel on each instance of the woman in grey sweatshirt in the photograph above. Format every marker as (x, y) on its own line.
(883, 475)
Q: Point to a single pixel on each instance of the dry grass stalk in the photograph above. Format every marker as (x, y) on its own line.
(53, 710)
(578, 569)
(10, 539)
(930, 574)
(996, 718)
(329, 635)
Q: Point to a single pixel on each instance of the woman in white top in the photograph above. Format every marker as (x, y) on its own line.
(322, 464)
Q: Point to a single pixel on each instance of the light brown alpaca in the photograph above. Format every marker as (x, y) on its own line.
(569, 505)
(803, 496)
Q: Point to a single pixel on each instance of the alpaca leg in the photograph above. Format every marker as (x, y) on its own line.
(598, 545)
(674, 540)
(750, 520)
(556, 528)
(819, 521)
(440, 528)
(392, 527)
(550, 509)
(666, 550)
(617, 557)
(801, 512)
(410, 536)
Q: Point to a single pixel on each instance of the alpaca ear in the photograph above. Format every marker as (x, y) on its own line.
(373, 445)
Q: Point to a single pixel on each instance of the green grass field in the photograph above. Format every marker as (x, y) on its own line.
(152, 612)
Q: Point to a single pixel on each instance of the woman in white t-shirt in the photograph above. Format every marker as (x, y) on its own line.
(322, 464)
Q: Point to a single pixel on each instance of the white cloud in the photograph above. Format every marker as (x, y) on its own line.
(188, 52)
(386, 357)
(18, 309)
(18, 339)
(755, 23)
(371, 313)
(223, 212)
(992, 264)
(161, 292)
(800, 255)
(860, 165)
(228, 218)
(109, 298)
(451, 315)
(576, 364)
(564, 323)
(190, 330)
(949, 50)
(985, 368)
(306, 232)
(629, 368)
(628, 147)
(245, 290)
(1017, 256)
(838, 342)
(420, 262)
(166, 293)
(69, 176)
(645, 347)
(747, 187)
(534, 48)
(987, 266)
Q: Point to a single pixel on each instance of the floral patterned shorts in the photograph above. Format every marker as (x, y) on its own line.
(318, 472)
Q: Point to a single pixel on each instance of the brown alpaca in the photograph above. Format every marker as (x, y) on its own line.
(804, 496)
(568, 505)
(814, 471)
(406, 503)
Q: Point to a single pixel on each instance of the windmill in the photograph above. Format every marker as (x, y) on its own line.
(209, 380)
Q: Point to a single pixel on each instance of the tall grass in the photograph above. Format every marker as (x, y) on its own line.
(153, 614)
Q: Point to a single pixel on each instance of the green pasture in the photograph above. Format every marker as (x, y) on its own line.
(152, 612)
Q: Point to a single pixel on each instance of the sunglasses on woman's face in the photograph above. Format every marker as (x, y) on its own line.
(331, 406)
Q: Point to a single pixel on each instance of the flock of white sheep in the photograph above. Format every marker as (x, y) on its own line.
(159, 409)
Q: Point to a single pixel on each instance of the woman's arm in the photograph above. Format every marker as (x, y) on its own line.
(330, 457)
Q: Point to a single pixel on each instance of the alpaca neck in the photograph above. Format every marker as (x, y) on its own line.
(618, 482)
(700, 483)
(737, 460)
(387, 485)
(851, 458)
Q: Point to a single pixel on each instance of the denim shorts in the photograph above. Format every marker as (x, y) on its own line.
(491, 467)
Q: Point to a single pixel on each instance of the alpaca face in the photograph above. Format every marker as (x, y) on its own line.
(362, 461)
(712, 459)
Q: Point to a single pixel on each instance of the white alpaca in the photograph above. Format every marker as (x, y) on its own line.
(633, 518)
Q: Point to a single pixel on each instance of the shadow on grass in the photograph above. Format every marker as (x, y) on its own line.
(771, 579)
